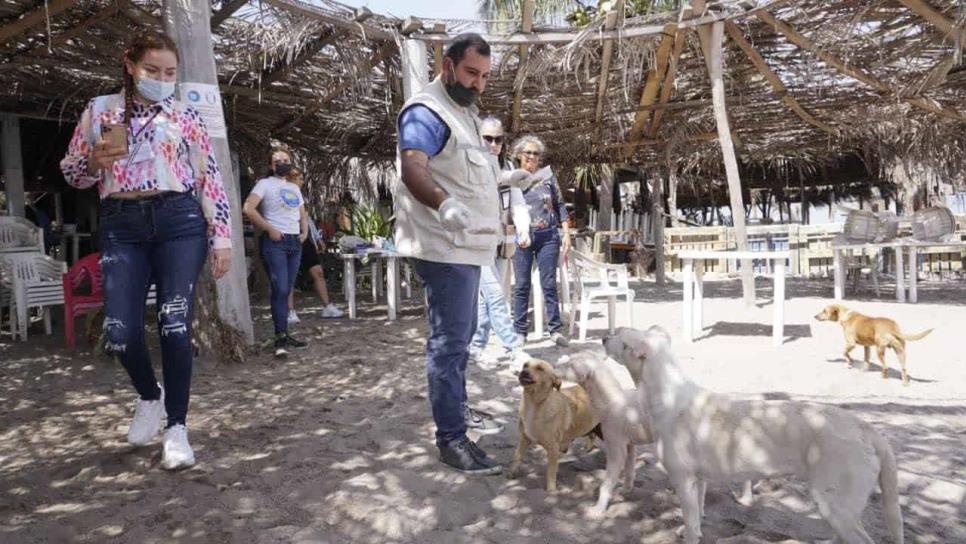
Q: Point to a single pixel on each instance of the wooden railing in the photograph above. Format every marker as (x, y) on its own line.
(810, 247)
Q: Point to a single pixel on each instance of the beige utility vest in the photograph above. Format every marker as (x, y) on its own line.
(467, 172)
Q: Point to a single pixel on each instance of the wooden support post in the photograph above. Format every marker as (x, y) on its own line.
(605, 197)
(438, 28)
(776, 83)
(188, 23)
(11, 154)
(711, 44)
(526, 28)
(227, 9)
(609, 23)
(657, 226)
(414, 67)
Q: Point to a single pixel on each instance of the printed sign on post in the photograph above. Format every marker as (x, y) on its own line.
(207, 100)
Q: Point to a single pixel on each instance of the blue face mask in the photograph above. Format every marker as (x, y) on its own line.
(154, 90)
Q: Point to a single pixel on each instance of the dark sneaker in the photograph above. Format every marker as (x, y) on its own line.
(294, 343)
(281, 345)
(481, 422)
(459, 455)
(481, 456)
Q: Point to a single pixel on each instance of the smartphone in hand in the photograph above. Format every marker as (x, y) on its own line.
(115, 136)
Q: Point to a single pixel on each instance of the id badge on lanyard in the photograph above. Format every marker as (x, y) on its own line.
(144, 151)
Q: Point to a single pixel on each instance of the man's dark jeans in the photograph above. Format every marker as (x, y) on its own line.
(452, 291)
(160, 239)
(282, 260)
(545, 249)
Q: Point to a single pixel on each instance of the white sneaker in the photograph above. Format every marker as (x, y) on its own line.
(177, 451)
(148, 415)
(293, 318)
(332, 311)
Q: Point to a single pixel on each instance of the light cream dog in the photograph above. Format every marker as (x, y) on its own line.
(550, 416)
(703, 436)
(624, 422)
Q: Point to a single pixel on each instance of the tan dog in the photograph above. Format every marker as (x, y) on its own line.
(624, 421)
(865, 331)
(704, 436)
(550, 416)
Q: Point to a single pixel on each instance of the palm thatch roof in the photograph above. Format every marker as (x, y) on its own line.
(806, 80)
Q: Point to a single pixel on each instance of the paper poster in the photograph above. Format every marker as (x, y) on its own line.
(207, 100)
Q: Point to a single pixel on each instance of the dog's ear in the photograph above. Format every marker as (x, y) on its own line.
(833, 312)
(556, 381)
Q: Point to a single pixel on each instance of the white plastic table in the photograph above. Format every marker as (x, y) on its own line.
(909, 247)
(693, 286)
(392, 280)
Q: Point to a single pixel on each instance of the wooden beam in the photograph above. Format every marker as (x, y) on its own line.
(668, 85)
(438, 28)
(711, 44)
(645, 142)
(226, 11)
(609, 24)
(383, 51)
(651, 86)
(776, 83)
(17, 27)
(135, 13)
(312, 12)
(937, 19)
(327, 37)
(527, 27)
(75, 31)
(854, 72)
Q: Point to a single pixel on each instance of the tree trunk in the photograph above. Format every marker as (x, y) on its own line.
(657, 224)
(605, 198)
(222, 318)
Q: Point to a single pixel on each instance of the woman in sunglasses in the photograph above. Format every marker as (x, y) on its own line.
(548, 213)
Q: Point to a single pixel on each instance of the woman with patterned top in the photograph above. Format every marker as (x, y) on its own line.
(163, 211)
(548, 213)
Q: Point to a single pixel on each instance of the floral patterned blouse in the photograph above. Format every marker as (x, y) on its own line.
(169, 151)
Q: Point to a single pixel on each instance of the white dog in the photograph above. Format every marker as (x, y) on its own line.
(623, 420)
(703, 436)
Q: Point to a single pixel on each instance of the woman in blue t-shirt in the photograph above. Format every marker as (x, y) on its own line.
(548, 213)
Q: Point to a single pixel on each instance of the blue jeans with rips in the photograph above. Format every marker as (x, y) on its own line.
(162, 240)
(545, 250)
(452, 291)
(282, 260)
(492, 312)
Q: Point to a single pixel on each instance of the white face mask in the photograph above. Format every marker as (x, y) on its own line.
(155, 90)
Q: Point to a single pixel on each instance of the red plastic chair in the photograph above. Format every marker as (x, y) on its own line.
(83, 292)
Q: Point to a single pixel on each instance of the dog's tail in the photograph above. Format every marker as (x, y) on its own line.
(889, 482)
(912, 337)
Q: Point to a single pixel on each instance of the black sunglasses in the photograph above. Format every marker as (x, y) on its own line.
(493, 139)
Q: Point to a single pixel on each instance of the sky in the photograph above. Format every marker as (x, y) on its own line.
(446, 9)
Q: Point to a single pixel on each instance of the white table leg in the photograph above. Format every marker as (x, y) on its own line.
(349, 281)
(838, 268)
(698, 297)
(392, 286)
(686, 286)
(536, 291)
(408, 273)
(900, 272)
(778, 325)
(913, 274)
(376, 277)
(611, 314)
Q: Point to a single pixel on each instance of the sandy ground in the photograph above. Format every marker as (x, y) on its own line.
(335, 445)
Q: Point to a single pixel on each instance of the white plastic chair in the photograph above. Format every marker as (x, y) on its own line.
(19, 236)
(594, 279)
(36, 281)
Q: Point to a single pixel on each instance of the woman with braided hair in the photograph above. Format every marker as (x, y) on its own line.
(163, 211)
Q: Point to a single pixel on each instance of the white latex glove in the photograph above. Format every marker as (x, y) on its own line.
(516, 178)
(523, 239)
(454, 215)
